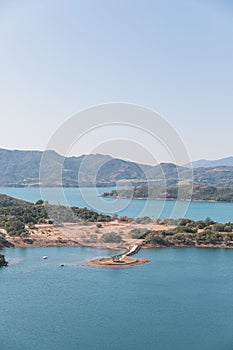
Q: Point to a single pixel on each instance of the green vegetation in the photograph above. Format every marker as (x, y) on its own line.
(192, 233)
(21, 168)
(17, 219)
(138, 233)
(90, 215)
(143, 220)
(111, 237)
(219, 194)
(200, 192)
(7, 201)
(14, 218)
(4, 243)
(14, 215)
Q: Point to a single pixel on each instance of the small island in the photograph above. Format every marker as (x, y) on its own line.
(111, 262)
(120, 260)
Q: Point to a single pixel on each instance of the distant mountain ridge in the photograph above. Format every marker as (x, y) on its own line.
(22, 168)
(203, 163)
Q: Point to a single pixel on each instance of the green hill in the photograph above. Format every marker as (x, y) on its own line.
(22, 168)
(203, 163)
(7, 201)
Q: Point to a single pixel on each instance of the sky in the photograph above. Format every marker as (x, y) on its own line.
(59, 57)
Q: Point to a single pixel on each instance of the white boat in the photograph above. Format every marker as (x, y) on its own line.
(45, 257)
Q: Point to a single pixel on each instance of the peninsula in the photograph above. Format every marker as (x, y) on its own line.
(24, 224)
(181, 192)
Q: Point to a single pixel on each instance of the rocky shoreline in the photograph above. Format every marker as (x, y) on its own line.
(17, 242)
(3, 261)
(166, 199)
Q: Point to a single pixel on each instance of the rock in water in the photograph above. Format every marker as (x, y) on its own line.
(3, 262)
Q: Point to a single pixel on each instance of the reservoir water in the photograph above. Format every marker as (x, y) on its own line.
(88, 197)
(181, 300)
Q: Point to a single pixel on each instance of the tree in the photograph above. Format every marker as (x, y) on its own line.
(39, 202)
(14, 227)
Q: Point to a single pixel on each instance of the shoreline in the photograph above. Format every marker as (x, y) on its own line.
(169, 199)
(17, 244)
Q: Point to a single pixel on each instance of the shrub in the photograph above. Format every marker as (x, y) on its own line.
(111, 237)
(93, 238)
(14, 227)
(138, 233)
(227, 228)
(144, 220)
(218, 227)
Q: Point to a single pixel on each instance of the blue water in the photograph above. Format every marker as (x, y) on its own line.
(181, 300)
(222, 212)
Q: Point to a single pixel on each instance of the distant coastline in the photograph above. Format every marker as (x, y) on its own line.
(195, 193)
(169, 199)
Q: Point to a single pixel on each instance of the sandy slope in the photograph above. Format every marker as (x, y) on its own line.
(70, 234)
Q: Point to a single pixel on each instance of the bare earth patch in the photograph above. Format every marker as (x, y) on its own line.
(82, 234)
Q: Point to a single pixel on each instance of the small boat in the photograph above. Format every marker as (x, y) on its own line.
(45, 257)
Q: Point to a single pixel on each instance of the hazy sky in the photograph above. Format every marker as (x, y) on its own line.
(62, 56)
